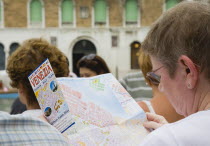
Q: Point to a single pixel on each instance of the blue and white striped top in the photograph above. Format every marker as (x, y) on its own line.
(23, 130)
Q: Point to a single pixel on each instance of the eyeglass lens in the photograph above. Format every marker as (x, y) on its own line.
(155, 79)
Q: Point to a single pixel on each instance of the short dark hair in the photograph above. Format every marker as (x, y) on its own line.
(28, 57)
(182, 30)
(94, 63)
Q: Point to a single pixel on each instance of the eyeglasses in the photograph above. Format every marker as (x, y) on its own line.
(154, 78)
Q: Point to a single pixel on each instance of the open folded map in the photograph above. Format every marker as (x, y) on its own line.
(104, 112)
(89, 111)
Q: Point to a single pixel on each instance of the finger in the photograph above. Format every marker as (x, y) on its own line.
(151, 125)
(151, 116)
(156, 118)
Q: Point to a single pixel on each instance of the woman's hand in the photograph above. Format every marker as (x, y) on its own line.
(154, 121)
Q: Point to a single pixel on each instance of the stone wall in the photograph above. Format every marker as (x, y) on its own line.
(15, 12)
(51, 13)
(151, 10)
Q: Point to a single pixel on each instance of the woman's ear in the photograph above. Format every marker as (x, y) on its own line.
(191, 71)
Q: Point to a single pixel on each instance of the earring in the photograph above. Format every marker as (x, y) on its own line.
(188, 85)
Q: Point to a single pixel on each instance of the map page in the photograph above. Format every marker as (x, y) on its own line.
(104, 112)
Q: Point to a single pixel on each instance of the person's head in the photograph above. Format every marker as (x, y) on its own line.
(179, 47)
(92, 65)
(27, 58)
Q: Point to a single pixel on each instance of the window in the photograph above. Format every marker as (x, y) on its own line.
(100, 11)
(114, 41)
(35, 13)
(67, 12)
(2, 57)
(131, 12)
(53, 40)
(171, 3)
(84, 12)
(13, 47)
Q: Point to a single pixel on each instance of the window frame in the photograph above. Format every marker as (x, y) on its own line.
(138, 21)
(73, 23)
(34, 24)
(100, 24)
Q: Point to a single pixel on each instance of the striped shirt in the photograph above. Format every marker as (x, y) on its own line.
(136, 86)
(23, 130)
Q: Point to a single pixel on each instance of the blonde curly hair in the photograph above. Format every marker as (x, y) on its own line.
(145, 65)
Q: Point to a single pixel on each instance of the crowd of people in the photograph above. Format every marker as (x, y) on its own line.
(174, 61)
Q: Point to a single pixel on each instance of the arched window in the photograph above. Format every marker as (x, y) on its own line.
(35, 12)
(13, 47)
(131, 11)
(2, 57)
(100, 11)
(171, 3)
(67, 12)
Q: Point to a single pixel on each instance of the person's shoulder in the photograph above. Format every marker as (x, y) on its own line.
(161, 136)
(4, 114)
(33, 113)
(193, 130)
(184, 132)
(20, 120)
(199, 120)
(28, 130)
(200, 117)
(187, 130)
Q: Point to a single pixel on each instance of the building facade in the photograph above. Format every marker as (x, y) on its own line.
(112, 29)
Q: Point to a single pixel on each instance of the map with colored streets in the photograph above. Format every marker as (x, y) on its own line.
(104, 112)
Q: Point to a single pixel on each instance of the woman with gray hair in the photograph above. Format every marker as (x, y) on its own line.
(179, 47)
